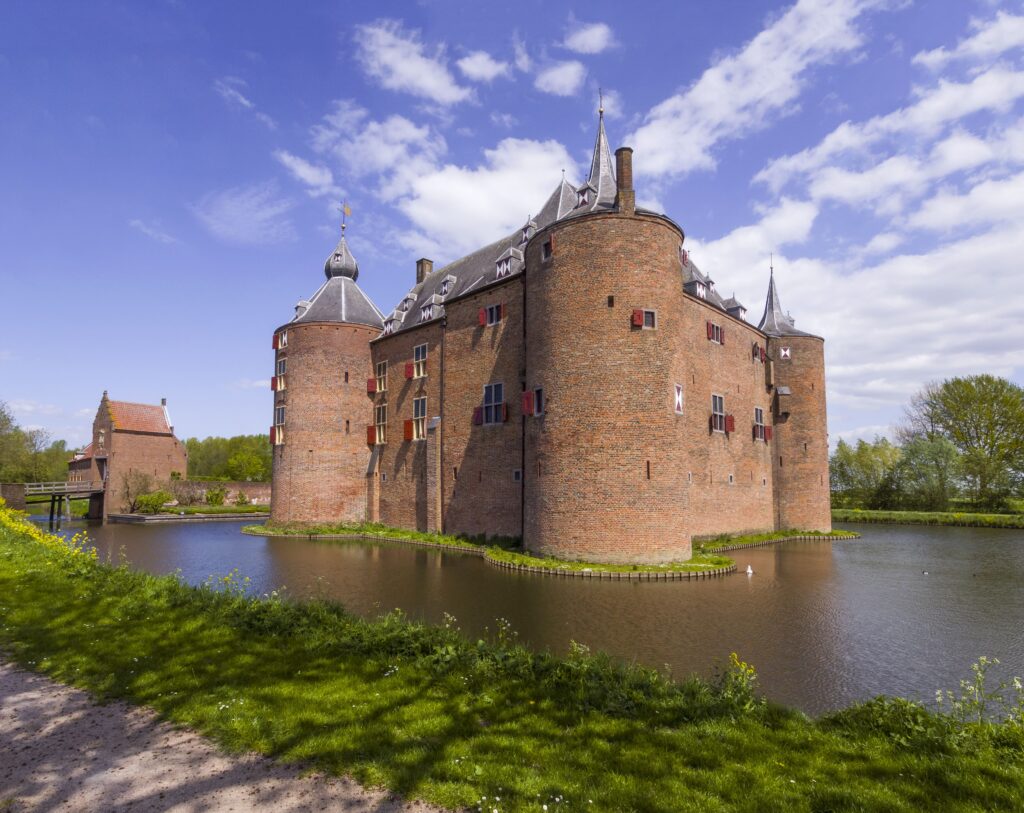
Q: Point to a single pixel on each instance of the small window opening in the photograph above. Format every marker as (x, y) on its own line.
(689, 476)
(780, 461)
(611, 301)
(546, 250)
(346, 376)
(648, 469)
(650, 320)
(480, 476)
(455, 472)
(383, 476)
(538, 401)
(346, 428)
(517, 475)
(731, 479)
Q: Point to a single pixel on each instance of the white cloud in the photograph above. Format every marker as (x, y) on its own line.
(744, 92)
(522, 59)
(252, 383)
(399, 61)
(986, 203)
(883, 243)
(153, 232)
(480, 66)
(506, 120)
(613, 104)
(319, 179)
(457, 209)
(561, 78)
(229, 88)
(253, 214)
(590, 38)
(992, 38)
(26, 408)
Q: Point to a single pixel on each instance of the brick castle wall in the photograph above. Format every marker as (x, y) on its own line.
(319, 472)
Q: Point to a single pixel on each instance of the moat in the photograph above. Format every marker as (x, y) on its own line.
(903, 611)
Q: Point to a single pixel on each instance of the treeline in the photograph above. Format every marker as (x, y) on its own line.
(961, 443)
(29, 455)
(243, 458)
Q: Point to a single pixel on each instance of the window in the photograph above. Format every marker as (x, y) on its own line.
(382, 376)
(380, 418)
(346, 376)
(517, 475)
(281, 365)
(283, 341)
(419, 361)
(583, 197)
(647, 320)
(547, 250)
(346, 428)
(494, 313)
(702, 290)
(716, 333)
(679, 399)
(494, 403)
(279, 416)
(524, 235)
(504, 267)
(426, 313)
(611, 301)
(389, 327)
(538, 401)
(443, 290)
(717, 413)
(758, 423)
(419, 418)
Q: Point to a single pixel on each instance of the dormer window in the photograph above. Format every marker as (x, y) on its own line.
(426, 313)
(702, 290)
(444, 288)
(583, 197)
(389, 327)
(524, 236)
(504, 267)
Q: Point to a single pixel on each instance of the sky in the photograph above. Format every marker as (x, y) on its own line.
(171, 174)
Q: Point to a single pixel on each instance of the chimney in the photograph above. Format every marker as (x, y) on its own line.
(163, 402)
(625, 199)
(423, 267)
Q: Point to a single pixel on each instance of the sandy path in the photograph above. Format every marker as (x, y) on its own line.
(59, 750)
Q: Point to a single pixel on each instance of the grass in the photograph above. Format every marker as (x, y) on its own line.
(428, 714)
(697, 563)
(79, 508)
(929, 518)
(726, 541)
(216, 509)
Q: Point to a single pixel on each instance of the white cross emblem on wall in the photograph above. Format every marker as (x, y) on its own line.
(783, 352)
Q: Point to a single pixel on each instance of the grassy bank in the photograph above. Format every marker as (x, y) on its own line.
(753, 540)
(429, 714)
(216, 509)
(929, 518)
(79, 508)
(697, 563)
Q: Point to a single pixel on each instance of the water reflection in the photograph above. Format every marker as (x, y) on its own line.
(825, 623)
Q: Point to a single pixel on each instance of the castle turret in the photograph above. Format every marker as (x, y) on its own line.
(321, 368)
(796, 375)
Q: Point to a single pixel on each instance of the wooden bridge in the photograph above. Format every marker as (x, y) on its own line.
(59, 494)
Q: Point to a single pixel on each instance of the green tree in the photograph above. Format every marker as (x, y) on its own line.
(246, 465)
(983, 417)
(928, 473)
(865, 476)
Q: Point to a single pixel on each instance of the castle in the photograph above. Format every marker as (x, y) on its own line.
(579, 384)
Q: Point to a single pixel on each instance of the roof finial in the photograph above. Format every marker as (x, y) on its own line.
(771, 263)
(600, 107)
(346, 212)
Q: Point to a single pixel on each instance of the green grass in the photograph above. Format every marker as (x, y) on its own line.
(216, 509)
(929, 518)
(356, 529)
(79, 508)
(429, 714)
(697, 563)
(726, 541)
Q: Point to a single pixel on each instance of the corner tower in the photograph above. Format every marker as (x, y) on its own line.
(321, 364)
(603, 298)
(800, 443)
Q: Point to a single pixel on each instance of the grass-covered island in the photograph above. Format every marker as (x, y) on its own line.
(429, 714)
(955, 518)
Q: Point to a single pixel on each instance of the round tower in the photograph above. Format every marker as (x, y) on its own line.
(321, 367)
(800, 430)
(602, 470)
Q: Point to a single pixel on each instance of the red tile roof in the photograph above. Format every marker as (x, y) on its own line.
(85, 454)
(129, 417)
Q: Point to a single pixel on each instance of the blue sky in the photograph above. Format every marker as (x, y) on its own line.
(171, 173)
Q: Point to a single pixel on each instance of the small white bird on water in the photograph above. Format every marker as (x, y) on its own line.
(750, 570)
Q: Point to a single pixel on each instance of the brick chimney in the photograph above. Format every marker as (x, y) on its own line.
(423, 267)
(625, 200)
(163, 402)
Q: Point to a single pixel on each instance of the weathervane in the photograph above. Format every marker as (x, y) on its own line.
(600, 104)
(345, 213)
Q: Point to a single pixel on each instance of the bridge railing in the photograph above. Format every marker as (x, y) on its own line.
(61, 487)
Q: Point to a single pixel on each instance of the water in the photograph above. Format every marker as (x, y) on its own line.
(825, 623)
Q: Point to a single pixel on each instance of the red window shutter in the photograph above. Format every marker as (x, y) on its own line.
(501, 311)
(638, 318)
(730, 423)
(711, 330)
(767, 434)
(273, 383)
(754, 431)
(273, 435)
(478, 416)
(483, 317)
(528, 402)
(763, 354)
(504, 411)
(371, 385)
(721, 335)
(408, 369)
(371, 435)
(711, 423)
(277, 339)
(408, 430)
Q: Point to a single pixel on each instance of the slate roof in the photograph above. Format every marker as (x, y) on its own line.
(339, 299)
(775, 322)
(129, 417)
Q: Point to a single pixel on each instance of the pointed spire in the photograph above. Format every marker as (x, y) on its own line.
(599, 190)
(341, 263)
(775, 322)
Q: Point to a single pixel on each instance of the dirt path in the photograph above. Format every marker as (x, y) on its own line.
(60, 751)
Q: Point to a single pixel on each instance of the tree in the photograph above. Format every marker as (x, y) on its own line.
(928, 473)
(983, 417)
(245, 465)
(864, 476)
(230, 458)
(134, 484)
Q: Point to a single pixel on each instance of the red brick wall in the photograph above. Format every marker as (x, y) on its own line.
(484, 498)
(154, 455)
(401, 478)
(319, 472)
(801, 440)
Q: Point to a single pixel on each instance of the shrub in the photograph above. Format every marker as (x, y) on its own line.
(241, 498)
(216, 495)
(152, 503)
(185, 492)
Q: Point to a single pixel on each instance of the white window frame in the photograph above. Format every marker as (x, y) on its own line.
(718, 412)
(282, 365)
(382, 376)
(758, 423)
(582, 197)
(494, 403)
(279, 416)
(389, 327)
(702, 290)
(678, 405)
(283, 341)
(426, 313)
(419, 418)
(503, 268)
(419, 361)
(493, 314)
(716, 333)
(654, 320)
(380, 423)
(443, 289)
